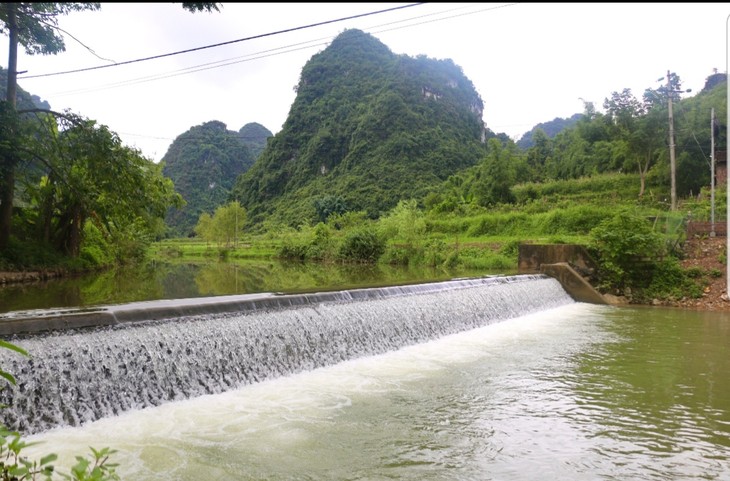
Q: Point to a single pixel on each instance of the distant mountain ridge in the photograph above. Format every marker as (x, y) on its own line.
(551, 129)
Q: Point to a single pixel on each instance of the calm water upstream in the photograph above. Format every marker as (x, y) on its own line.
(574, 392)
(177, 280)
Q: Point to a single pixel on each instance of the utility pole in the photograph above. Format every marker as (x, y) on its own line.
(672, 161)
(712, 170)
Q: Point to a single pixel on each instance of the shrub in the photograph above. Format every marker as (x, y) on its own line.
(362, 245)
(293, 250)
(670, 281)
(323, 245)
(95, 250)
(628, 247)
(694, 272)
(396, 254)
(434, 252)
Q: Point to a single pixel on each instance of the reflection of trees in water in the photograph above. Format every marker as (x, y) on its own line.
(226, 278)
(113, 286)
(163, 280)
(133, 283)
(679, 388)
(178, 280)
(275, 276)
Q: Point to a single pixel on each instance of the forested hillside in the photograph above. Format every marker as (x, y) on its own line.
(204, 163)
(367, 129)
(630, 136)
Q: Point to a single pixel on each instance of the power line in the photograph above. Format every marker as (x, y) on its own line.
(224, 43)
(193, 69)
(421, 19)
(275, 51)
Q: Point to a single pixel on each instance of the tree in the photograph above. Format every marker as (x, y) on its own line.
(228, 223)
(405, 222)
(204, 227)
(623, 108)
(637, 125)
(659, 97)
(645, 140)
(496, 176)
(35, 27)
(539, 154)
(225, 226)
(92, 176)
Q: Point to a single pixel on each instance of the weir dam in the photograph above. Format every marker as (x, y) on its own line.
(89, 364)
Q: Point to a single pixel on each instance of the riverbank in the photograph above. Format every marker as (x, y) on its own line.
(708, 254)
(29, 276)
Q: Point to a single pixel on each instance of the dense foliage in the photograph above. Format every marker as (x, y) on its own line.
(630, 137)
(83, 194)
(69, 189)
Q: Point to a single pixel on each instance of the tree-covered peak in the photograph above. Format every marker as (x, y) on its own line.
(255, 136)
(369, 127)
(254, 131)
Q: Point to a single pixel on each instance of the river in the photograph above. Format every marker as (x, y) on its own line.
(573, 392)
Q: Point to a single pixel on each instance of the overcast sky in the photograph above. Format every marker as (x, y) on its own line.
(529, 62)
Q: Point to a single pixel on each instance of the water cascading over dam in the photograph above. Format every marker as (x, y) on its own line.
(80, 375)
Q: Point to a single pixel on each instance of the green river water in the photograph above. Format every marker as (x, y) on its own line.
(578, 392)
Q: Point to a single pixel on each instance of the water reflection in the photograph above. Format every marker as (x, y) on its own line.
(178, 280)
(654, 394)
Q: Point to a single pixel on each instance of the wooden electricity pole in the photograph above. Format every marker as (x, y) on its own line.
(712, 170)
(672, 160)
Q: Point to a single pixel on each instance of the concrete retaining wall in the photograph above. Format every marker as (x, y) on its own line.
(573, 283)
(570, 264)
(533, 256)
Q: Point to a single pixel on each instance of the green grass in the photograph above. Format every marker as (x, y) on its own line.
(252, 248)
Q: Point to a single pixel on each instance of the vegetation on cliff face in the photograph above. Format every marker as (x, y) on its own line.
(25, 100)
(367, 127)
